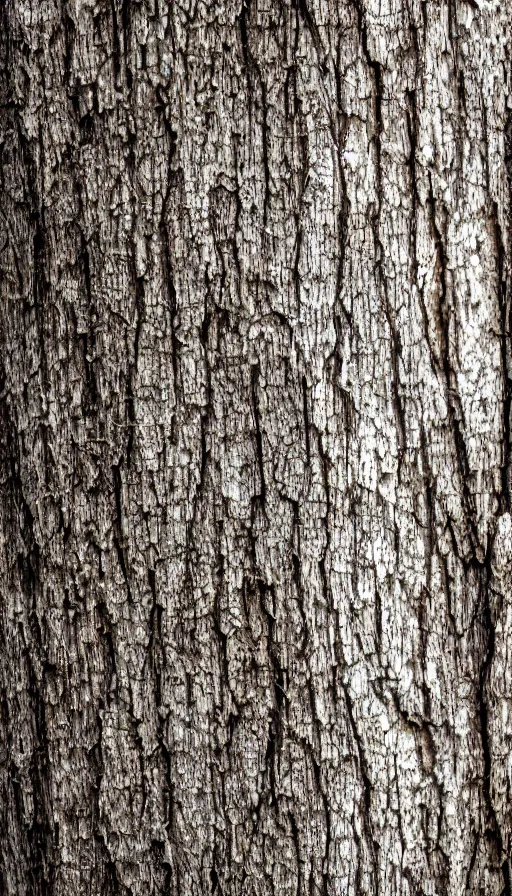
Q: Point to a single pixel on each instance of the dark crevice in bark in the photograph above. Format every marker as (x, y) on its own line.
(426, 741)
(505, 870)
(253, 72)
(485, 142)
(112, 885)
(41, 286)
(505, 335)
(118, 538)
(271, 758)
(297, 578)
(309, 19)
(116, 43)
(296, 267)
(306, 418)
(429, 486)
(472, 863)
(141, 768)
(125, 28)
(277, 672)
(492, 831)
(372, 64)
(405, 872)
(110, 656)
(326, 465)
(296, 843)
(132, 369)
(265, 141)
(378, 622)
(504, 273)
(91, 395)
(215, 885)
(227, 698)
(39, 831)
(327, 816)
(172, 305)
(206, 410)
(367, 791)
(412, 119)
(452, 396)
(130, 387)
(446, 581)
(69, 29)
(265, 595)
(243, 21)
(173, 180)
(395, 341)
(255, 401)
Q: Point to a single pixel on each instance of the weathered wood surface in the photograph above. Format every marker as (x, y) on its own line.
(256, 542)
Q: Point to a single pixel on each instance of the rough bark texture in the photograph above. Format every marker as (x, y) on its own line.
(255, 535)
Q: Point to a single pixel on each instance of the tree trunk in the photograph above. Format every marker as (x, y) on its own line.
(256, 534)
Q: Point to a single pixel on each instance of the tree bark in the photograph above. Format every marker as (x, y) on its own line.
(256, 533)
